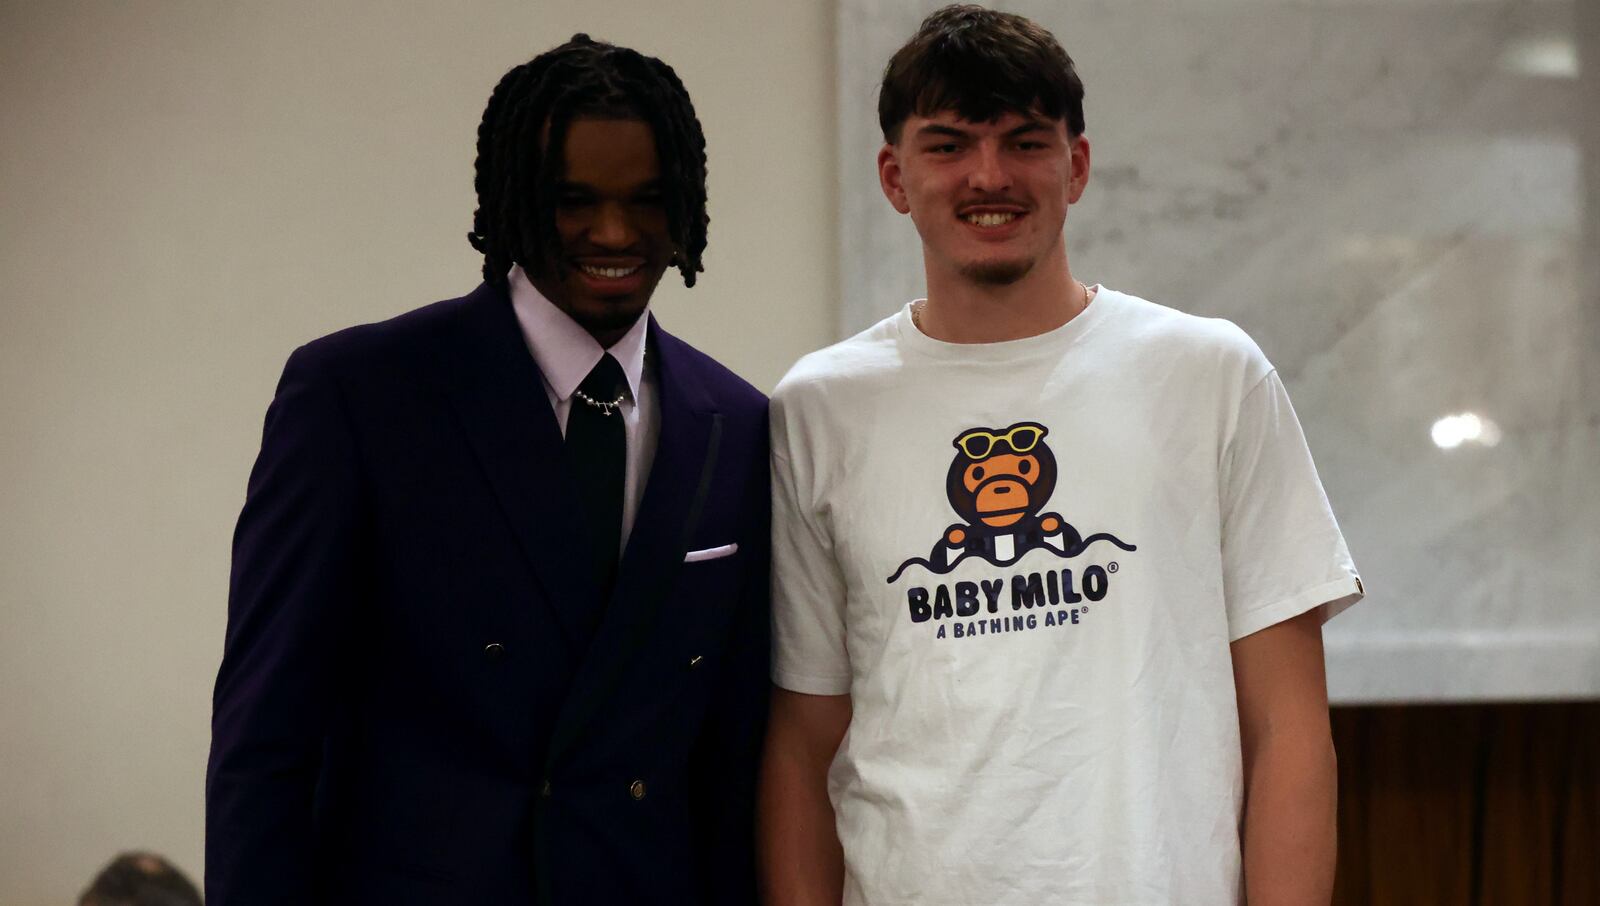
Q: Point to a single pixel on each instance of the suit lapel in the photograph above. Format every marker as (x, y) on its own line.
(680, 478)
(498, 393)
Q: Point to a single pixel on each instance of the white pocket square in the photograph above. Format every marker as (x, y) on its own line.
(710, 553)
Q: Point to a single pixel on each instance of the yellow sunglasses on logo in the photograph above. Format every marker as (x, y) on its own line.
(1021, 437)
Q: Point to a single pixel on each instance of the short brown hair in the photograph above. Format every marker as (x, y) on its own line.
(980, 63)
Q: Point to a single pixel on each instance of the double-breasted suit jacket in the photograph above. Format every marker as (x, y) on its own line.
(422, 698)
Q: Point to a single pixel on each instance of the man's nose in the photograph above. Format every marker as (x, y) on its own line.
(612, 228)
(989, 173)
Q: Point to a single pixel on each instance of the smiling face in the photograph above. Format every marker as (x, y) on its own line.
(614, 237)
(1000, 487)
(988, 198)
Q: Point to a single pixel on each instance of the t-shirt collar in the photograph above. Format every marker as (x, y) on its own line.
(564, 351)
(1049, 343)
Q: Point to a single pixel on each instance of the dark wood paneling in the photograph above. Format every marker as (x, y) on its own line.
(1477, 805)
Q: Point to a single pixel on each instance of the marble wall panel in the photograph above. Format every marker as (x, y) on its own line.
(1399, 201)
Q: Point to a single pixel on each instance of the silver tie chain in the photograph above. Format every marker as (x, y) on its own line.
(604, 407)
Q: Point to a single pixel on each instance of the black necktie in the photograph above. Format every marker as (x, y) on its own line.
(597, 447)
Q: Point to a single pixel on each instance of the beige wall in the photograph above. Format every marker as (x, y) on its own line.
(188, 190)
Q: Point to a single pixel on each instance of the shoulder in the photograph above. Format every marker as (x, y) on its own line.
(742, 408)
(1159, 332)
(730, 393)
(849, 366)
(401, 341)
(1158, 323)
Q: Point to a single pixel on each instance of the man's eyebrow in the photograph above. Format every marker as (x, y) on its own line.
(939, 129)
(1030, 126)
(942, 130)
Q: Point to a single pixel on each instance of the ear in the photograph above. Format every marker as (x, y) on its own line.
(889, 178)
(1079, 179)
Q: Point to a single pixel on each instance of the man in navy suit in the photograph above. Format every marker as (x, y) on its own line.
(497, 627)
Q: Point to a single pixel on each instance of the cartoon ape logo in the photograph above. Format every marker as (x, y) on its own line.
(1000, 482)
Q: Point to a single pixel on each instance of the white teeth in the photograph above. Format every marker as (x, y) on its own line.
(987, 219)
(610, 273)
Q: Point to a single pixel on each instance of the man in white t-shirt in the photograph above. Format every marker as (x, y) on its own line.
(1050, 561)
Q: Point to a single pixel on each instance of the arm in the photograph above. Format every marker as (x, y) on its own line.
(1289, 771)
(289, 595)
(801, 861)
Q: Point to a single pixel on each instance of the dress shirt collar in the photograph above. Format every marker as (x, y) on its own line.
(564, 351)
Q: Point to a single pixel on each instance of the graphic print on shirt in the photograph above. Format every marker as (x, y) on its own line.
(999, 483)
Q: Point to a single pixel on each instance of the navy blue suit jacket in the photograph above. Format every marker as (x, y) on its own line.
(409, 709)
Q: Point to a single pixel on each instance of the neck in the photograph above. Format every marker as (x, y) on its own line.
(607, 337)
(959, 310)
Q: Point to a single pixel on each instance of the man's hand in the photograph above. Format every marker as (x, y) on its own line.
(1291, 785)
(801, 861)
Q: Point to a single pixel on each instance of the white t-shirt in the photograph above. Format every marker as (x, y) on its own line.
(1025, 562)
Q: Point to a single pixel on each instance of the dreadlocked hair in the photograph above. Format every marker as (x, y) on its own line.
(527, 116)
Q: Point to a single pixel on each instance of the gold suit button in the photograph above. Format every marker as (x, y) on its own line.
(636, 789)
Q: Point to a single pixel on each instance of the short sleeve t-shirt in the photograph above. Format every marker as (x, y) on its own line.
(1025, 562)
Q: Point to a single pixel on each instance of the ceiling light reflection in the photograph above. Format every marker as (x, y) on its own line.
(1547, 57)
(1466, 428)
